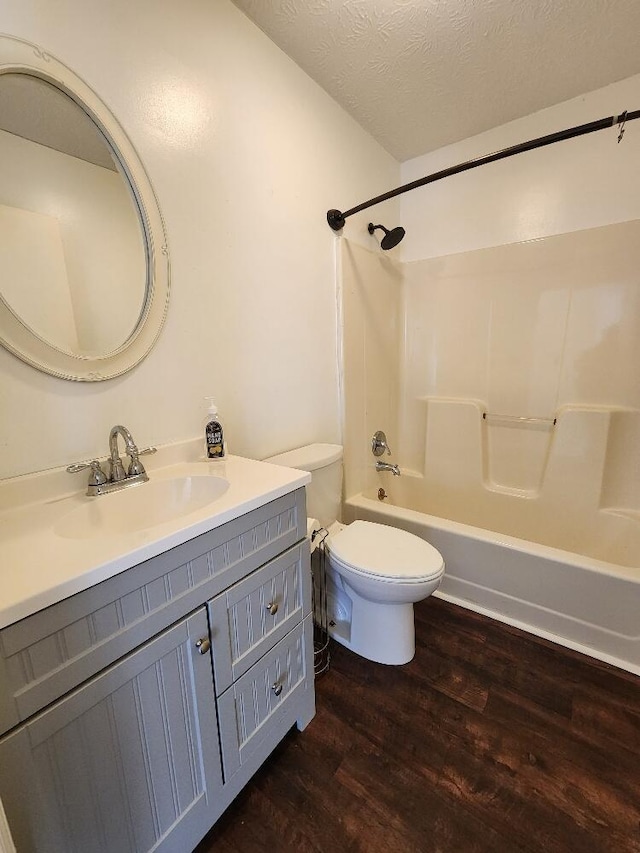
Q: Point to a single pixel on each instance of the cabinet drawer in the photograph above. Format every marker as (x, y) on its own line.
(46, 655)
(256, 613)
(252, 710)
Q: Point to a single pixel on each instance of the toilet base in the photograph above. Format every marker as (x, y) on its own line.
(383, 633)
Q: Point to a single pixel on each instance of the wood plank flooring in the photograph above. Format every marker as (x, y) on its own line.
(489, 740)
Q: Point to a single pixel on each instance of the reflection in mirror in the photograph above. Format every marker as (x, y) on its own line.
(73, 263)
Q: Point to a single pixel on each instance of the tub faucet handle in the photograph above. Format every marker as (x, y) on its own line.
(379, 444)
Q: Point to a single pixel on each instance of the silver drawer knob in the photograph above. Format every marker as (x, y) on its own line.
(203, 645)
(277, 688)
(272, 607)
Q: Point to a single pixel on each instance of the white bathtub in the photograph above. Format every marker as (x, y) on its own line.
(581, 602)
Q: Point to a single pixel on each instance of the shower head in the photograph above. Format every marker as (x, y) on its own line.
(391, 238)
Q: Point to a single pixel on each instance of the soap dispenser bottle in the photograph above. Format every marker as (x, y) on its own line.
(213, 433)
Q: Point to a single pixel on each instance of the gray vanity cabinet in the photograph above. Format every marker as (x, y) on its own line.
(132, 713)
(128, 762)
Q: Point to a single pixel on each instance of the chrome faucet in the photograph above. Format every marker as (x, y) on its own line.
(115, 478)
(385, 466)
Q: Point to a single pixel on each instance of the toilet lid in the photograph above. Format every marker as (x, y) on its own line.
(376, 549)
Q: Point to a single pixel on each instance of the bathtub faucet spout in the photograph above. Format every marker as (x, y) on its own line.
(384, 466)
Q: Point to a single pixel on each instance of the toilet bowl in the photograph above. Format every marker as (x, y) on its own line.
(375, 573)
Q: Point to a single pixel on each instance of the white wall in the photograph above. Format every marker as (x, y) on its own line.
(246, 154)
(572, 185)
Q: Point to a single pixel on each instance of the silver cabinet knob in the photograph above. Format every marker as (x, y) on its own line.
(277, 688)
(203, 645)
(272, 607)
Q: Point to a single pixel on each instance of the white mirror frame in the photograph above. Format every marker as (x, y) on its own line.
(19, 56)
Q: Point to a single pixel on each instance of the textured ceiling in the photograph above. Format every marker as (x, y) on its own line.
(419, 74)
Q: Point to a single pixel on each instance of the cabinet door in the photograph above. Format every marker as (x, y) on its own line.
(128, 762)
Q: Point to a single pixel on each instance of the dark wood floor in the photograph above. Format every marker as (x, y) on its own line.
(489, 740)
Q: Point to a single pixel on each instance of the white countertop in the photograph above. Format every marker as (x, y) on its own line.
(39, 567)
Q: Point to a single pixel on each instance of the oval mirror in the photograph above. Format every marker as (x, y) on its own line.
(84, 275)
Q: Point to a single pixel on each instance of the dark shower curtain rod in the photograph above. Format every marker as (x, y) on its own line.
(336, 218)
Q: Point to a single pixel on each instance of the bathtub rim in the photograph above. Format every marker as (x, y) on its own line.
(514, 543)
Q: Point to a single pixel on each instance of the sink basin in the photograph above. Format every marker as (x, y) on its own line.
(139, 507)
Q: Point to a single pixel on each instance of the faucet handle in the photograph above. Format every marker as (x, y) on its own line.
(136, 467)
(97, 477)
(147, 450)
(379, 444)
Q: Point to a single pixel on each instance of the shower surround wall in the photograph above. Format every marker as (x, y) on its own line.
(372, 323)
(547, 330)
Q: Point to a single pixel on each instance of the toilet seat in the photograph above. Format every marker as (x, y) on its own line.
(385, 553)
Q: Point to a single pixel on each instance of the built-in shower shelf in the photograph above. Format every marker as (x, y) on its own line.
(519, 421)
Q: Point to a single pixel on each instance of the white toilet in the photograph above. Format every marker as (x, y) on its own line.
(375, 573)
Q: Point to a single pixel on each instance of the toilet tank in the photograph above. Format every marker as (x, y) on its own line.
(324, 492)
